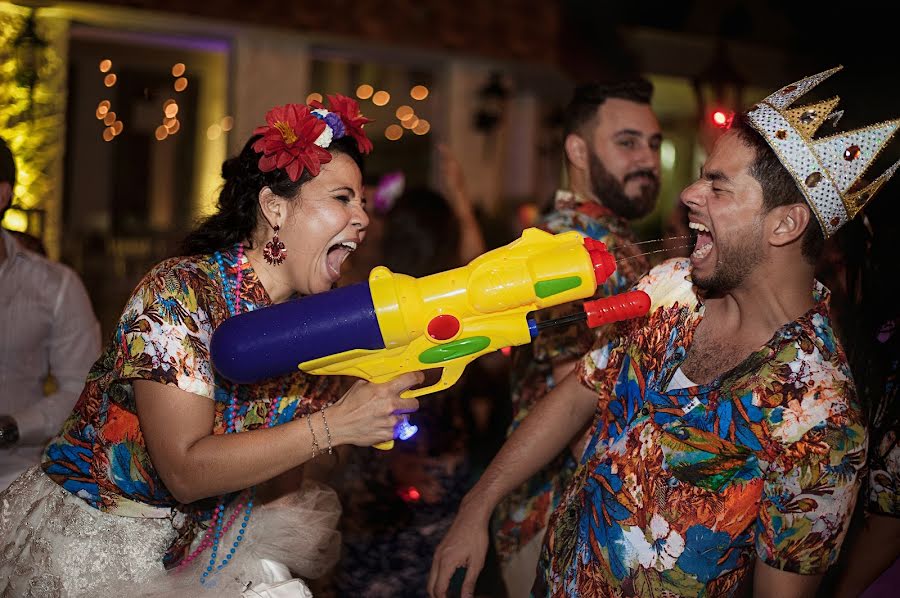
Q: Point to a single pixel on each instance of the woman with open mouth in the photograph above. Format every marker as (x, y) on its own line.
(167, 479)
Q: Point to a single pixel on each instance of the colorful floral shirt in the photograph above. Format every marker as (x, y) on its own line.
(680, 491)
(883, 485)
(163, 335)
(524, 513)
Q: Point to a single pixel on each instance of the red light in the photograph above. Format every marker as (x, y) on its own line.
(410, 494)
(722, 119)
(507, 351)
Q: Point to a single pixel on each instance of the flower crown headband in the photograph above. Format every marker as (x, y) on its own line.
(296, 136)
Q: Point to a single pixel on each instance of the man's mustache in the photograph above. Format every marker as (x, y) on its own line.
(642, 173)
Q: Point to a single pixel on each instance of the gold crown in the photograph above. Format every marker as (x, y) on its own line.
(825, 169)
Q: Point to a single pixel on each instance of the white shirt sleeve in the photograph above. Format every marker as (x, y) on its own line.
(74, 346)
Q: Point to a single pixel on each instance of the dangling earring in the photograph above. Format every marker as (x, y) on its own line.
(274, 251)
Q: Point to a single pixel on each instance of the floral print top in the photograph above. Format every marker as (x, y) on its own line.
(523, 514)
(679, 491)
(163, 335)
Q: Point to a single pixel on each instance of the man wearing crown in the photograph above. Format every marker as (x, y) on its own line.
(726, 437)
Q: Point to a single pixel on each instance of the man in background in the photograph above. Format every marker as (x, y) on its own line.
(47, 326)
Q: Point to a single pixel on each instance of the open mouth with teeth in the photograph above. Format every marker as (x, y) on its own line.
(704, 243)
(337, 253)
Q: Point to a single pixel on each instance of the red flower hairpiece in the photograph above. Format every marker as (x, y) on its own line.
(353, 120)
(288, 141)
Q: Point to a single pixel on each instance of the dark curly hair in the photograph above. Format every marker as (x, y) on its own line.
(587, 98)
(238, 206)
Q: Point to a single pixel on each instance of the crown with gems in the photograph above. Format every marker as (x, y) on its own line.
(826, 169)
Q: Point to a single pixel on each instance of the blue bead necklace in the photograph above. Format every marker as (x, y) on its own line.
(218, 526)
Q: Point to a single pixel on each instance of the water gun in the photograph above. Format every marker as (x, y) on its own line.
(393, 324)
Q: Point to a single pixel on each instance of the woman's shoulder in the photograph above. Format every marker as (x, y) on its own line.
(177, 275)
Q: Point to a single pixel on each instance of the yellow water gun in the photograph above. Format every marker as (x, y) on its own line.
(395, 323)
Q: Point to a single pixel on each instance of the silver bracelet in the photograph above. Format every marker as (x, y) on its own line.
(327, 431)
(315, 443)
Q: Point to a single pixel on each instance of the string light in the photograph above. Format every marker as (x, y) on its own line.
(381, 98)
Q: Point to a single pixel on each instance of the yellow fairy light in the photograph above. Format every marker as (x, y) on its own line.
(404, 113)
(381, 98)
(227, 123)
(410, 123)
(313, 97)
(108, 134)
(393, 132)
(419, 92)
(117, 127)
(422, 127)
(174, 126)
(109, 80)
(101, 112)
(161, 133)
(105, 65)
(364, 91)
(213, 132)
(178, 69)
(181, 84)
(110, 118)
(171, 110)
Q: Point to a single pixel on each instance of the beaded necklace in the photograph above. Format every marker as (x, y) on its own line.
(244, 503)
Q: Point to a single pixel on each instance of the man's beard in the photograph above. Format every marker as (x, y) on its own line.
(612, 193)
(735, 260)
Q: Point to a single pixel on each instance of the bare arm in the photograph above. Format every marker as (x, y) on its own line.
(541, 436)
(471, 240)
(769, 581)
(194, 463)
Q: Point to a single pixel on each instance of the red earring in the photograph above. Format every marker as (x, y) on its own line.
(274, 251)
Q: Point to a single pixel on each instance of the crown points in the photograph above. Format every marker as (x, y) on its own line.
(825, 169)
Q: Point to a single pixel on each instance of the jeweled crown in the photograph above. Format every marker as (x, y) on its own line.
(827, 170)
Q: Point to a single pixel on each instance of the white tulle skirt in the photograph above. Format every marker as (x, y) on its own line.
(52, 544)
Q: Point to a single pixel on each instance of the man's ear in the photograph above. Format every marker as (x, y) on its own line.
(788, 223)
(577, 151)
(273, 207)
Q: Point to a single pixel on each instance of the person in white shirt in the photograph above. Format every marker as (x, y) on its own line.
(47, 326)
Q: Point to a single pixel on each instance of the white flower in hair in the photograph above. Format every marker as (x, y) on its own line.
(326, 137)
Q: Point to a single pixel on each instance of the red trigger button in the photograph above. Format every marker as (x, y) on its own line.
(443, 327)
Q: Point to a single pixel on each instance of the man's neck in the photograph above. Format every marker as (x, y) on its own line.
(768, 299)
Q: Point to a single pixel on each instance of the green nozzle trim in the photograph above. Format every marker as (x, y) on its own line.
(452, 350)
(548, 288)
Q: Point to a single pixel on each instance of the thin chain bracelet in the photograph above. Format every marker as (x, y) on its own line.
(327, 431)
(315, 443)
